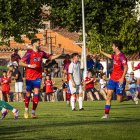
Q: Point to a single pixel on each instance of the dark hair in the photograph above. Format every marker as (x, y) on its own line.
(4, 71)
(16, 50)
(102, 75)
(118, 44)
(34, 40)
(74, 54)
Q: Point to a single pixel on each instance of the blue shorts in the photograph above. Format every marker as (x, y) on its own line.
(113, 85)
(31, 84)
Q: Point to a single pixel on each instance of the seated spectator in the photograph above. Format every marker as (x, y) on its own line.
(103, 83)
(89, 86)
(56, 70)
(132, 86)
(90, 63)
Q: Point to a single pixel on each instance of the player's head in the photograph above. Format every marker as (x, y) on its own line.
(4, 73)
(75, 57)
(117, 45)
(36, 43)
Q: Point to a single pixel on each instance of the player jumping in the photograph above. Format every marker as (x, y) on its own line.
(117, 80)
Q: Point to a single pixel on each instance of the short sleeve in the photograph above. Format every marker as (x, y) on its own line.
(101, 81)
(26, 56)
(112, 56)
(46, 55)
(123, 60)
(70, 71)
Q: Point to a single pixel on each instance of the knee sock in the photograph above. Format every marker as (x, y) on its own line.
(72, 102)
(5, 105)
(26, 100)
(107, 109)
(35, 101)
(80, 102)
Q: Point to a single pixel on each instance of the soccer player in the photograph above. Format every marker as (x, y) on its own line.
(32, 60)
(75, 79)
(117, 80)
(5, 107)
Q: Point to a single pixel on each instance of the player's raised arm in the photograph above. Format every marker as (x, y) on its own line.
(105, 54)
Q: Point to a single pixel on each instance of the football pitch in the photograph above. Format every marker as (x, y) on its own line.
(56, 121)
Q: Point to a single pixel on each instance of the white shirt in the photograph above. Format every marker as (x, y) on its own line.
(133, 83)
(74, 69)
(102, 83)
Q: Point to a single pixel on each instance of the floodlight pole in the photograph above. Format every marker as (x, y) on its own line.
(84, 42)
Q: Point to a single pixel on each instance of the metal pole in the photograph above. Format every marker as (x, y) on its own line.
(84, 42)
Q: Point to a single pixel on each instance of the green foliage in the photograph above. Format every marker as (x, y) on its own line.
(19, 17)
(105, 21)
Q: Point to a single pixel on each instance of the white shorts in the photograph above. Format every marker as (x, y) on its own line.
(18, 87)
(77, 89)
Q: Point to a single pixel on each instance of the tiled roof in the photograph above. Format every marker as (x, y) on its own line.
(71, 35)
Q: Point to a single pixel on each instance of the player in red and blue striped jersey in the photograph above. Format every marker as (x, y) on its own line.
(32, 60)
(117, 80)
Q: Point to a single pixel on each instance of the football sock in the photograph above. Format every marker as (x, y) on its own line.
(3, 110)
(27, 100)
(14, 110)
(35, 101)
(107, 109)
(80, 102)
(72, 102)
(5, 105)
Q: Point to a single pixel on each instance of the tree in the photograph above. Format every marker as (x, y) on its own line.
(18, 17)
(105, 21)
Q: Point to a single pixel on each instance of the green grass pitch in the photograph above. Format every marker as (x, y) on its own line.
(56, 121)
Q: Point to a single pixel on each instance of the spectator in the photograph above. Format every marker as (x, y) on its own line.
(56, 70)
(15, 56)
(132, 85)
(90, 63)
(103, 83)
(18, 83)
(66, 64)
(49, 88)
(89, 86)
(5, 82)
